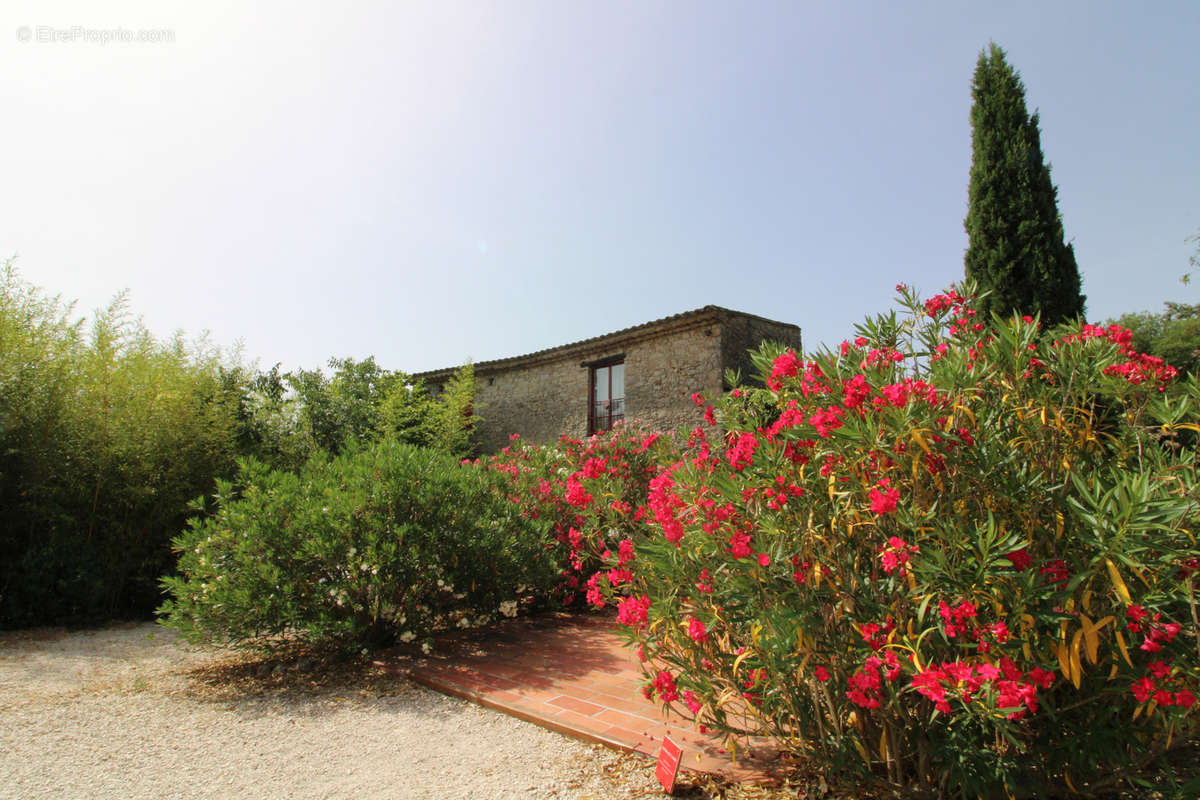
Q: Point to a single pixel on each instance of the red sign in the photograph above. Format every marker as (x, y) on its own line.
(668, 764)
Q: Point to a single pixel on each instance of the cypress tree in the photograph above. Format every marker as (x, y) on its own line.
(1017, 249)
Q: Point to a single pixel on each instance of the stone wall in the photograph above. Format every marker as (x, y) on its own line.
(544, 395)
(542, 401)
(662, 374)
(743, 333)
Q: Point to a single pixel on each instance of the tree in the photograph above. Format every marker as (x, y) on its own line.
(1017, 252)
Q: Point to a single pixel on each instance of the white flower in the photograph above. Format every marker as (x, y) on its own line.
(407, 636)
(426, 648)
(509, 608)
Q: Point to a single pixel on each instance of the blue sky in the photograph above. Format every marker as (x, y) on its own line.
(428, 182)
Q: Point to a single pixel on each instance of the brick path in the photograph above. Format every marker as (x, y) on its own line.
(572, 674)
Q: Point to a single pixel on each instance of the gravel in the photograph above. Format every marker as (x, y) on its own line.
(130, 711)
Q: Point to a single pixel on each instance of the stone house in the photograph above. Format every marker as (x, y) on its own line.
(648, 372)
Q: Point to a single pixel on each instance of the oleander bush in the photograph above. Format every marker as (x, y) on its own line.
(953, 555)
(376, 545)
(590, 494)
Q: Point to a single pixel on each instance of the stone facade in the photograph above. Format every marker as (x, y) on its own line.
(544, 395)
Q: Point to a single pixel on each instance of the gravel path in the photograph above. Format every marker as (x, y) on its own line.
(128, 711)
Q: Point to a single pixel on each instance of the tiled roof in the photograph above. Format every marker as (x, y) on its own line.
(653, 328)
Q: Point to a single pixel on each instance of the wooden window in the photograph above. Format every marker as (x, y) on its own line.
(607, 392)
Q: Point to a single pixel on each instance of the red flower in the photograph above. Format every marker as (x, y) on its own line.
(1142, 689)
(664, 684)
(1185, 699)
(822, 674)
(1159, 669)
(697, 631)
(1055, 571)
(691, 701)
(1021, 560)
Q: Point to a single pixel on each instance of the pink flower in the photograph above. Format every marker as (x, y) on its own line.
(619, 575)
(764, 560)
(633, 611)
(741, 455)
(697, 631)
(1185, 699)
(822, 674)
(827, 420)
(691, 701)
(896, 554)
(739, 545)
(576, 494)
(787, 365)
(884, 502)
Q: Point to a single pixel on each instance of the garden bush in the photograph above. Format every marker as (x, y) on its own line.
(106, 433)
(591, 496)
(955, 555)
(382, 544)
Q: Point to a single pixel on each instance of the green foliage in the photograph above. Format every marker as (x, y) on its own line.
(271, 421)
(453, 418)
(382, 544)
(1016, 253)
(104, 437)
(344, 409)
(954, 559)
(362, 403)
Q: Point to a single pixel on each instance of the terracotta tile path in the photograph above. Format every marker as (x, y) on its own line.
(572, 674)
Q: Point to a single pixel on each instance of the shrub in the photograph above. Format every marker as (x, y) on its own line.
(375, 545)
(105, 434)
(591, 495)
(953, 553)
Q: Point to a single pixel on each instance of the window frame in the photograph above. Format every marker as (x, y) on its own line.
(611, 419)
